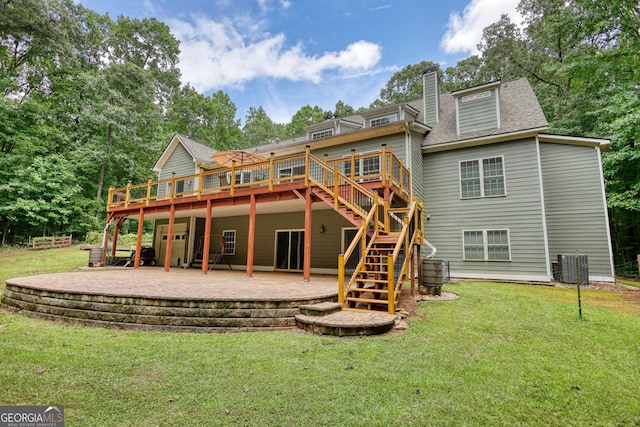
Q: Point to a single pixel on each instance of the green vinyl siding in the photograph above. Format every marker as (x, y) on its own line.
(180, 162)
(417, 183)
(431, 98)
(519, 212)
(395, 142)
(325, 246)
(576, 219)
(477, 114)
(346, 128)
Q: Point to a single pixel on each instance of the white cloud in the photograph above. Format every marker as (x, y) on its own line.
(464, 30)
(373, 9)
(264, 6)
(216, 54)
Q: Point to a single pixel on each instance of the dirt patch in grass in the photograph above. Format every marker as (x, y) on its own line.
(604, 286)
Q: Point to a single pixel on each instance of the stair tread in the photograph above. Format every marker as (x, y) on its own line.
(367, 300)
(363, 310)
(386, 239)
(372, 280)
(372, 290)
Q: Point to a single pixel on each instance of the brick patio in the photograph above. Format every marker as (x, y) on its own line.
(184, 300)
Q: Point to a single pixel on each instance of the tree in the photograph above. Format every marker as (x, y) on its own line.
(210, 120)
(227, 130)
(305, 116)
(127, 72)
(466, 73)
(36, 36)
(404, 85)
(343, 110)
(259, 128)
(504, 55)
(42, 195)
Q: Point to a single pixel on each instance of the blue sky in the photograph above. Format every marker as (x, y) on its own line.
(284, 54)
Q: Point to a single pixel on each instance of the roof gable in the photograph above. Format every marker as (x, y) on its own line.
(200, 153)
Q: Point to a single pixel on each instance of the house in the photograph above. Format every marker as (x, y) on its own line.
(472, 172)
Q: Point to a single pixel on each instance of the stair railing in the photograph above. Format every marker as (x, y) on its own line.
(366, 241)
(411, 234)
(344, 191)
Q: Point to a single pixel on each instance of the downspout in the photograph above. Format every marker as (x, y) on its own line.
(430, 246)
(434, 250)
(407, 137)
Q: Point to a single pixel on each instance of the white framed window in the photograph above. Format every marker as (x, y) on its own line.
(321, 134)
(482, 178)
(291, 171)
(486, 245)
(229, 237)
(241, 177)
(363, 167)
(380, 121)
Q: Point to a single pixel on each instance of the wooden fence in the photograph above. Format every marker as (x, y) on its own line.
(51, 242)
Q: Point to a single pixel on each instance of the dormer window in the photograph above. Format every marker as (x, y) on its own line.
(384, 120)
(321, 134)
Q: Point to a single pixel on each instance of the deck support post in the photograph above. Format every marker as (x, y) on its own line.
(412, 271)
(115, 237)
(136, 261)
(307, 235)
(106, 243)
(252, 235)
(419, 256)
(207, 239)
(391, 286)
(167, 252)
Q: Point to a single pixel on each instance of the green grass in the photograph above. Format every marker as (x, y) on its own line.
(630, 282)
(27, 262)
(502, 354)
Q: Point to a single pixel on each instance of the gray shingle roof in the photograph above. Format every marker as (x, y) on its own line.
(198, 150)
(519, 111)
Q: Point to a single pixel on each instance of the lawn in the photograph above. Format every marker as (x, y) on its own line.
(502, 354)
(629, 281)
(15, 263)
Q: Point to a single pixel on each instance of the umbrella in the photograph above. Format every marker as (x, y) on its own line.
(241, 157)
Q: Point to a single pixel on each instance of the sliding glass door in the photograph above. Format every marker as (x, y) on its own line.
(289, 250)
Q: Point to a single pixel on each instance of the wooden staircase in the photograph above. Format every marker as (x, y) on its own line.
(386, 238)
(343, 210)
(372, 283)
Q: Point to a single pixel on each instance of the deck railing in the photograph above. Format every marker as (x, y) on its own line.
(378, 166)
(382, 166)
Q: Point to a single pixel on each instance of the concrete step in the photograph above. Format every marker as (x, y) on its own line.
(347, 323)
(320, 309)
